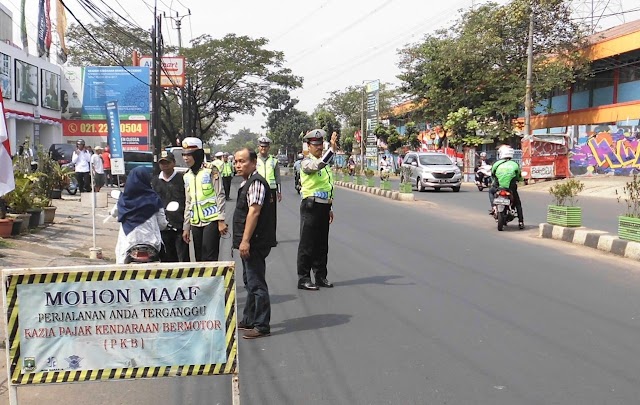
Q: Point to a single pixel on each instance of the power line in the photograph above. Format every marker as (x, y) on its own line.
(301, 21)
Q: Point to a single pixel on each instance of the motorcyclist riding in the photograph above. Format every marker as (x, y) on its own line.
(506, 174)
(483, 172)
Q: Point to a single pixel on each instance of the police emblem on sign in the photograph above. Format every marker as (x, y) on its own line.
(74, 362)
(29, 364)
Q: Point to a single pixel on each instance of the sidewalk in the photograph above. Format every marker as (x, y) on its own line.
(602, 186)
(66, 242)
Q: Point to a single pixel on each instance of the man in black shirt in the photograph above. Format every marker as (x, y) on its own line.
(170, 187)
(254, 235)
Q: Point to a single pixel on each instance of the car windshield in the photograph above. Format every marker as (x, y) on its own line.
(427, 160)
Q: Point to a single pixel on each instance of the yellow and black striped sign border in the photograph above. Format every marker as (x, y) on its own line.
(13, 325)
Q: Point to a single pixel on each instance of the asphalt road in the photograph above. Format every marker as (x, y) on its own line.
(597, 213)
(430, 306)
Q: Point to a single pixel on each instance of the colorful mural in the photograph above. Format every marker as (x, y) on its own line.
(606, 149)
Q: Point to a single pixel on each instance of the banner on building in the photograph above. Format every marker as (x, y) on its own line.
(42, 28)
(50, 90)
(23, 27)
(26, 82)
(173, 70)
(87, 89)
(114, 139)
(5, 76)
(120, 322)
(61, 28)
(7, 181)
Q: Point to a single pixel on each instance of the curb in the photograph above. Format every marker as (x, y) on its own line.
(394, 195)
(592, 238)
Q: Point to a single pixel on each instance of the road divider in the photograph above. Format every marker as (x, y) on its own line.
(394, 195)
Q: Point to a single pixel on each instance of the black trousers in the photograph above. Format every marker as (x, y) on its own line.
(175, 249)
(206, 242)
(257, 308)
(313, 248)
(274, 199)
(84, 181)
(226, 183)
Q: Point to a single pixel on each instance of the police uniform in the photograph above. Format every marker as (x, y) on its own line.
(317, 191)
(227, 174)
(204, 207)
(268, 168)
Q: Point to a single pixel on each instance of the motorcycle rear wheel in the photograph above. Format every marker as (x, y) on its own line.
(502, 220)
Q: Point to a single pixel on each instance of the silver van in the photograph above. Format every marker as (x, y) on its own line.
(431, 169)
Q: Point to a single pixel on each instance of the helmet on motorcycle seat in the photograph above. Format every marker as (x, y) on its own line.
(506, 152)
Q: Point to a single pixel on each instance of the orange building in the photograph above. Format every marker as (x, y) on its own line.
(601, 115)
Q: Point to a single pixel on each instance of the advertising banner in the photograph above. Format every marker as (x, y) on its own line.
(50, 91)
(85, 91)
(5, 76)
(114, 139)
(26, 82)
(23, 27)
(134, 134)
(173, 70)
(120, 322)
(42, 28)
(372, 112)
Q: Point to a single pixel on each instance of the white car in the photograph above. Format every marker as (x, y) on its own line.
(431, 169)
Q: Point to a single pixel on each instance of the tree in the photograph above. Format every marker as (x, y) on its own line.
(326, 120)
(233, 75)
(243, 139)
(480, 64)
(285, 123)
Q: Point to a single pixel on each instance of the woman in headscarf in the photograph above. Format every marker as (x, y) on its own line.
(140, 213)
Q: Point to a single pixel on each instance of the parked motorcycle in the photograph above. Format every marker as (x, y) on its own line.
(483, 177)
(72, 186)
(142, 252)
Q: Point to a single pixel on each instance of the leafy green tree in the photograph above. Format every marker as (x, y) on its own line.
(286, 123)
(243, 139)
(480, 64)
(326, 120)
(411, 133)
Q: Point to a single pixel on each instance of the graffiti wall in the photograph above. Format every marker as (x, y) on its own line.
(606, 149)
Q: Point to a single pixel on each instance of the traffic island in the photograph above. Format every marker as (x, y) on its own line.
(394, 195)
(595, 239)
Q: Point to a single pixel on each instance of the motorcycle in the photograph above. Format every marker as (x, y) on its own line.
(504, 208)
(385, 173)
(352, 169)
(483, 177)
(72, 185)
(298, 185)
(142, 252)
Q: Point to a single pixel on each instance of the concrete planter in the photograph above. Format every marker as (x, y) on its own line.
(564, 216)
(371, 182)
(49, 214)
(629, 228)
(385, 185)
(406, 188)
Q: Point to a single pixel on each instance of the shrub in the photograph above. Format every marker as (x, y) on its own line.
(564, 194)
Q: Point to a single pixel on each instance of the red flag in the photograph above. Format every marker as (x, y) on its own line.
(7, 182)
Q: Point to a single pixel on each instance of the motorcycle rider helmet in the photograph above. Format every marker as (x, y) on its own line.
(506, 152)
(483, 155)
(80, 142)
(300, 156)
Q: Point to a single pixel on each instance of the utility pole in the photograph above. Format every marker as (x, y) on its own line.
(156, 43)
(186, 123)
(527, 96)
(363, 133)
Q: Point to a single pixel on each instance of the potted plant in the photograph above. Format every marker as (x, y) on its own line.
(369, 175)
(629, 224)
(20, 198)
(405, 185)
(564, 212)
(347, 176)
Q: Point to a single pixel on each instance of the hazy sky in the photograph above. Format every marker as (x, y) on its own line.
(333, 44)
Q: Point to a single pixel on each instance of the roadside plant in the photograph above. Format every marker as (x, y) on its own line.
(565, 193)
(631, 197)
(369, 173)
(406, 175)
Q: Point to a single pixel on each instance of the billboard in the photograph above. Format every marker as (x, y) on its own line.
(86, 90)
(172, 74)
(50, 90)
(372, 111)
(26, 82)
(5, 76)
(135, 134)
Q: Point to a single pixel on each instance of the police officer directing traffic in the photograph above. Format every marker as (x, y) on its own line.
(204, 215)
(269, 169)
(315, 211)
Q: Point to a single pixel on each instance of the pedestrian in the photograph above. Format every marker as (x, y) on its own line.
(227, 175)
(170, 187)
(106, 163)
(204, 214)
(97, 169)
(254, 236)
(316, 212)
(269, 169)
(140, 213)
(81, 159)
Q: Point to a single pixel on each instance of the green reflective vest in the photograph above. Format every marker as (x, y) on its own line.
(227, 170)
(204, 203)
(267, 169)
(218, 163)
(318, 184)
(505, 171)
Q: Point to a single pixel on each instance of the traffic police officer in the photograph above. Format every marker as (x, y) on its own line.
(204, 215)
(227, 174)
(269, 169)
(315, 211)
